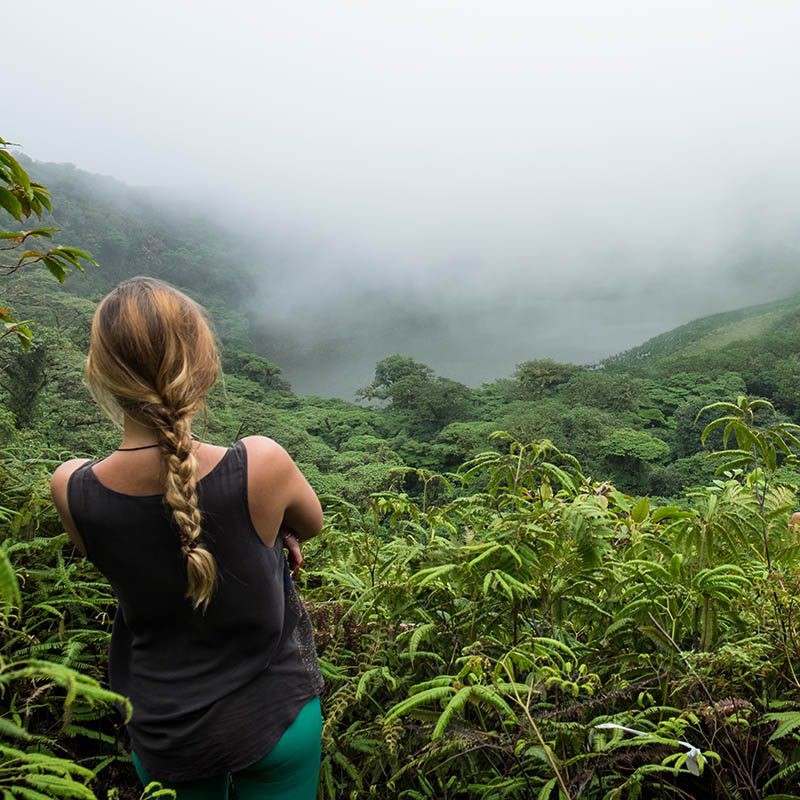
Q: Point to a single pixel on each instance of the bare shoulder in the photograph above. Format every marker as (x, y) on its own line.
(60, 478)
(265, 454)
(262, 444)
(58, 489)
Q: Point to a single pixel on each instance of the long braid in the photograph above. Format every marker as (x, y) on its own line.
(181, 481)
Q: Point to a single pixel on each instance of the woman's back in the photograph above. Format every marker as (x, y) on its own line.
(176, 662)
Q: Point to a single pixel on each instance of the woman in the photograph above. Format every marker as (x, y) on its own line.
(210, 641)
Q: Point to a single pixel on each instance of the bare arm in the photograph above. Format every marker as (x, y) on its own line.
(278, 493)
(58, 491)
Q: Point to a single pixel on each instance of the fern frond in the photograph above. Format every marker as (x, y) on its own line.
(10, 597)
(787, 722)
(410, 703)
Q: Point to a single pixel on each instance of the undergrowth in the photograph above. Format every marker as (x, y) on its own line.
(515, 631)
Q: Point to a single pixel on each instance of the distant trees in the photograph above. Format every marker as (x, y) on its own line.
(256, 368)
(610, 391)
(787, 390)
(630, 455)
(536, 378)
(425, 403)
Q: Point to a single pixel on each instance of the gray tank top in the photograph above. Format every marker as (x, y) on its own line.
(211, 692)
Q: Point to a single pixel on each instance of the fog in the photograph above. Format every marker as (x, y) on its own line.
(472, 183)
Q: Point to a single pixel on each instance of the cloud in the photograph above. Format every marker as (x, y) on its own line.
(506, 149)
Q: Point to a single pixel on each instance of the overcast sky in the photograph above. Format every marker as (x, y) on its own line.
(517, 143)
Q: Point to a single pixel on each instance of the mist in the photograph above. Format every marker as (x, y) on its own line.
(471, 183)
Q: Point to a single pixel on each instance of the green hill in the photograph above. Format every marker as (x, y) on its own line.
(714, 333)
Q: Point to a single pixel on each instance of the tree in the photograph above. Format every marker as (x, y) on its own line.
(393, 377)
(608, 390)
(787, 379)
(21, 197)
(535, 378)
(256, 368)
(630, 454)
(425, 403)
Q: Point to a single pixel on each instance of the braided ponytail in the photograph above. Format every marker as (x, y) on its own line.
(152, 355)
(175, 443)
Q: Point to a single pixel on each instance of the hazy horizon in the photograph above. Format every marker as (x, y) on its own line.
(512, 180)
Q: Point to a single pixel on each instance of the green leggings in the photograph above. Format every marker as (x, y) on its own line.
(287, 772)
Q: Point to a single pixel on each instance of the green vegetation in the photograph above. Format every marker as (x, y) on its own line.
(21, 197)
(495, 618)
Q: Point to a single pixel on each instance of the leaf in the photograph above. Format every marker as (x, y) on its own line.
(640, 511)
(10, 597)
(787, 722)
(490, 550)
(426, 576)
(782, 796)
(56, 270)
(56, 786)
(31, 794)
(455, 705)
(672, 512)
(554, 643)
(430, 695)
(489, 696)
(416, 637)
(47, 233)
(547, 789)
(78, 253)
(10, 204)
(738, 452)
(12, 730)
(368, 676)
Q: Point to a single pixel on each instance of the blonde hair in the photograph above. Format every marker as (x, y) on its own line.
(152, 356)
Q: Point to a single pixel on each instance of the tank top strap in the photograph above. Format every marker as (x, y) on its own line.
(227, 478)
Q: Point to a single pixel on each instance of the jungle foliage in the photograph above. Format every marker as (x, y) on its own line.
(498, 637)
(495, 618)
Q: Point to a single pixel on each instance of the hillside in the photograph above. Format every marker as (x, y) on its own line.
(134, 231)
(631, 420)
(713, 333)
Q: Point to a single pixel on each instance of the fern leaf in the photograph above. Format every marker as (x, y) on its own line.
(492, 698)
(455, 705)
(56, 786)
(547, 790)
(787, 722)
(10, 597)
(788, 772)
(545, 642)
(12, 730)
(436, 693)
(425, 653)
(426, 576)
(515, 689)
(439, 680)
(364, 680)
(416, 637)
(31, 794)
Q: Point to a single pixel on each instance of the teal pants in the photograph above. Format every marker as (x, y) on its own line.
(288, 772)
